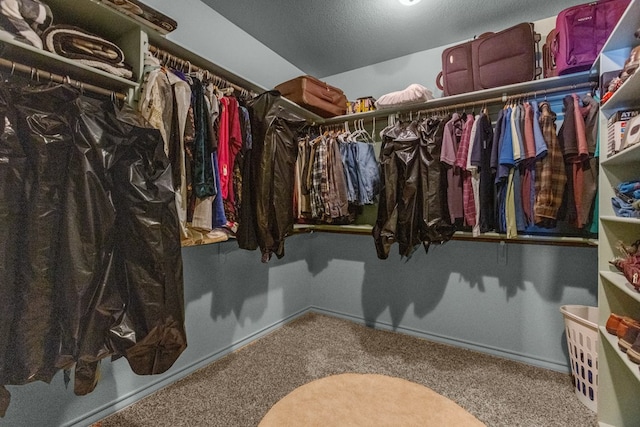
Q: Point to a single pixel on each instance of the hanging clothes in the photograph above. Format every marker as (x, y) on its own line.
(335, 173)
(202, 218)
(181, 94)
(474, 176)
(13, 205)
(367, 173)
(238, 168)
(468, 203)
(34, 293)
(454, 181)
(204, 183)
(230, 144)
(319, 174)
(410, 209)
(338, 203)
(517, 133)
(589, 109)
(480, 160)
(96, 179)
(302, 188)
(156, 98)
(551, 176)
(272, 161)
(528, 165)
(498, 173)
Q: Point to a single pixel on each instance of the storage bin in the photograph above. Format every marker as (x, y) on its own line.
(582, 339)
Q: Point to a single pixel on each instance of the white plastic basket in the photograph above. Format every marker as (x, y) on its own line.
(581, 325)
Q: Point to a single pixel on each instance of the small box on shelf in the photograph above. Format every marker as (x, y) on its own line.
(616, 126)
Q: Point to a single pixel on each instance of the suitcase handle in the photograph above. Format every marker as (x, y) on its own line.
(439, 81)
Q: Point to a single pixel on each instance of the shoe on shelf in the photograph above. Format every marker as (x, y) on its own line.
(216, 235)
(629, 338)
(613, 322)
(624, 324)
(633, 353)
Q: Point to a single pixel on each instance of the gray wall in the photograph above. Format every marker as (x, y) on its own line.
(208, 34)
(460, 293)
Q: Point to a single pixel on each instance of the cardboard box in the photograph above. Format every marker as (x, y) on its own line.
(616, 126)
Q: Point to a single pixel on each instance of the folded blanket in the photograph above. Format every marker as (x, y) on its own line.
(413, 94)
(77, 44)
(25, 20)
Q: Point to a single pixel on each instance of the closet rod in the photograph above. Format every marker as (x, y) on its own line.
(440, 104)
(165, 56)
(36, 74)
(507, 98)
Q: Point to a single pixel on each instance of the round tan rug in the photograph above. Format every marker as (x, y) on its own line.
(366, 400)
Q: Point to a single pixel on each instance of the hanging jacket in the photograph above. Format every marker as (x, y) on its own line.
(551, 177)
(272, 162)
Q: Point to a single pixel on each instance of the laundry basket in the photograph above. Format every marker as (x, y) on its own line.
(582, 339)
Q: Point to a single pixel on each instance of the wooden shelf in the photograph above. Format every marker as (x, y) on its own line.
(619, 281)
(459, 235)
(94, 15)
(627, 96)
(619, 220)
(612, 340)
(628, 156)
(47, 61)
(539, 87)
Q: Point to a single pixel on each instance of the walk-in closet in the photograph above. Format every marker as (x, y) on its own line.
(182, 244)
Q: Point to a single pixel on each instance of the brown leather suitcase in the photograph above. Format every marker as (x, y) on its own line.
(491, 60)
(314, 95)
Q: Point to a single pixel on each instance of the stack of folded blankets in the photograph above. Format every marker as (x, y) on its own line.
(626, 202)
(30, 22)
(89, 49)
(25, 20)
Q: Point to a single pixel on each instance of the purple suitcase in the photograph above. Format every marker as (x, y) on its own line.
(491, 60)
(582, 30)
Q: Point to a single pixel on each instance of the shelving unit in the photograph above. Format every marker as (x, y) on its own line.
(99, 19)
(618, 377)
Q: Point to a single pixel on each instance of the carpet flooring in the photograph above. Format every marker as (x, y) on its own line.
(240, 388)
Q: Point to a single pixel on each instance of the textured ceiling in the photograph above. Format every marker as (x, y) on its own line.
(327, 37)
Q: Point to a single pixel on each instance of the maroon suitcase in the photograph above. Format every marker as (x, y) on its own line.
(582, 31)
(548, 58)
(491, 60)
(314, 95)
